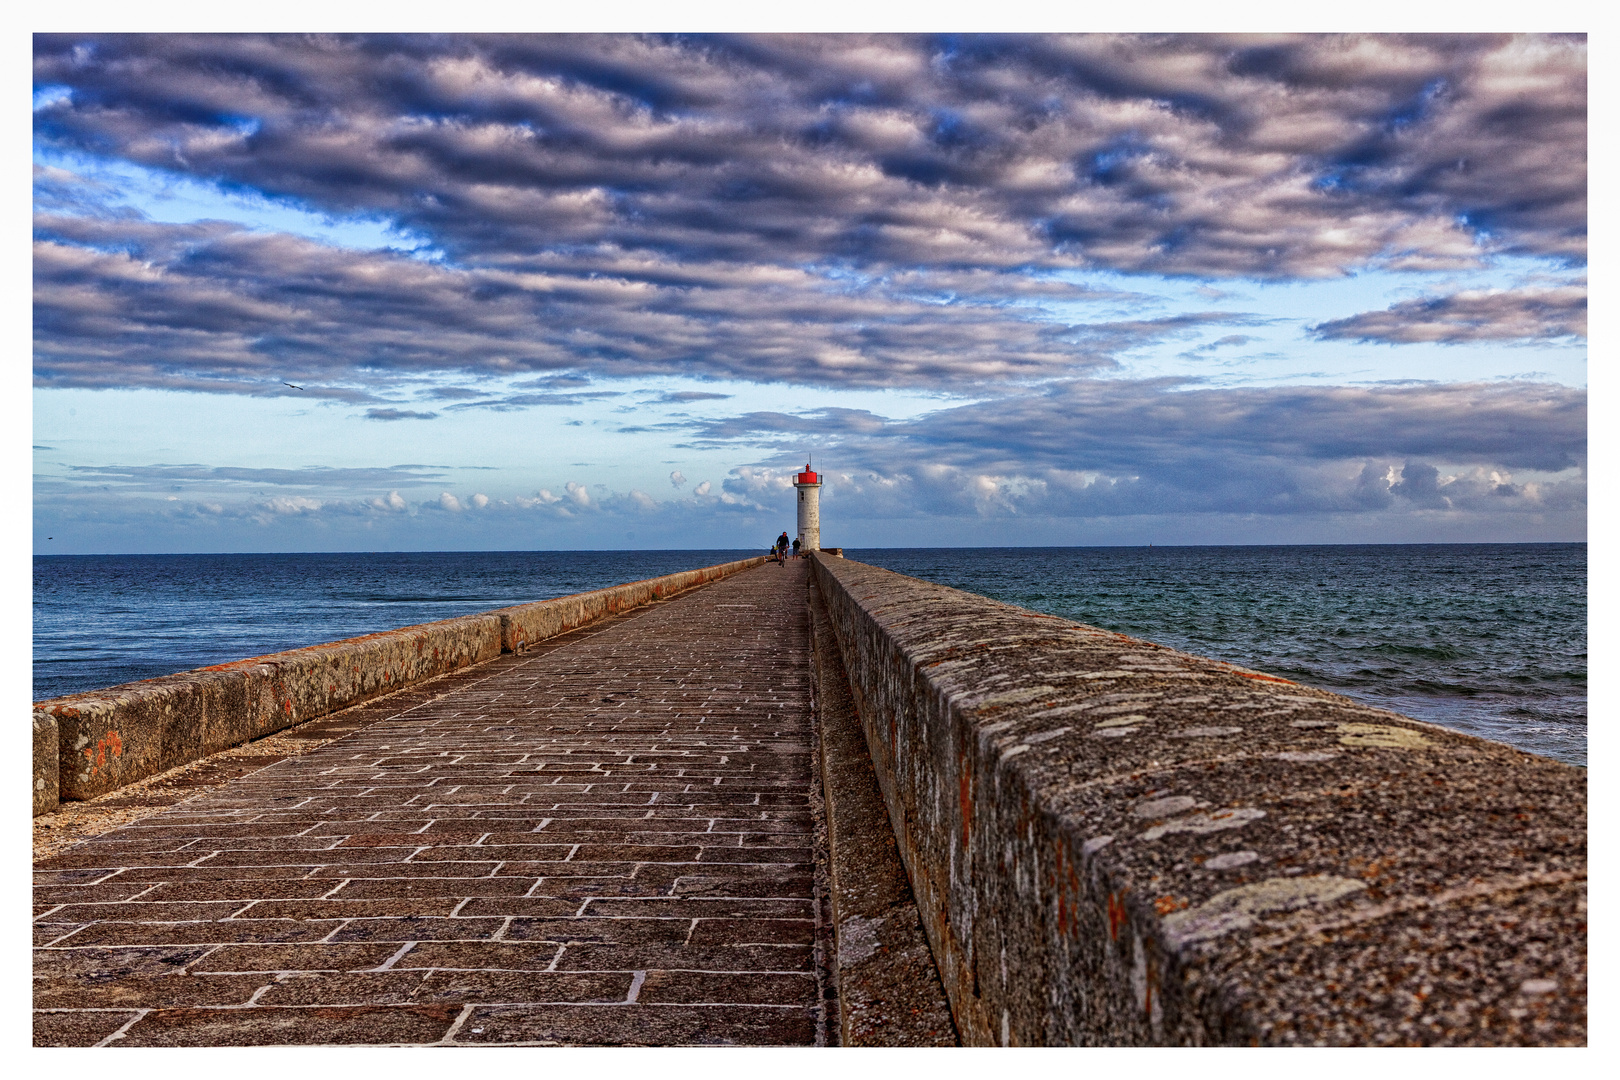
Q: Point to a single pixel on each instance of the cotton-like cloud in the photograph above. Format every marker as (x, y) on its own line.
(291, 504)
(1202, 154)
(677, 478)
(1528, 314)
(218, 308)
(395, 503)
(843, 210)
(1115, 448)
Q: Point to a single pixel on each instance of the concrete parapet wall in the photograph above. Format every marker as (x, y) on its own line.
(47, 783)
(113, 737)
(105, 739)
(1114, 843)
(529, 623)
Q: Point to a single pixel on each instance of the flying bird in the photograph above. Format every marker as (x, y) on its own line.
(290, 384)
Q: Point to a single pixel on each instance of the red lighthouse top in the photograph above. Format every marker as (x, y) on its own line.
(807, 477)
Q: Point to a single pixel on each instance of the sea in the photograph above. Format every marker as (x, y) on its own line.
(1488, 639)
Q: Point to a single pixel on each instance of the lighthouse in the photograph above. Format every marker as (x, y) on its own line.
(809, 485)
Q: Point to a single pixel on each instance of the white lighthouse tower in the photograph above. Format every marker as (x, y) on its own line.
(809, 485)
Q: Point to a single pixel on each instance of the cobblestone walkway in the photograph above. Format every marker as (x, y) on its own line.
(606, 842)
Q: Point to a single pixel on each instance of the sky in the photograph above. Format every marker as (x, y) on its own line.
(407, 292)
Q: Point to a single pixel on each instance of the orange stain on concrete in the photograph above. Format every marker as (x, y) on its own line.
(1116, 914)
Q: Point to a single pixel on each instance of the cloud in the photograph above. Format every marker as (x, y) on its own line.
(677, 478)
(1093, 448)
(1209, 154)
(313, 476)
(399, 414)
(120, 303)
(684, 397)
(291, 504)
(1530, 314)
(1072, 461)
(394, 503)
(514, 402)
(455, 393)
(831, 210)
(842, 212)
(543, 497)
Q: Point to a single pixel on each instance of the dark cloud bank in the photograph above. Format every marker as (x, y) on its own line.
(849, 212)
(1095, 448)
(774, 208)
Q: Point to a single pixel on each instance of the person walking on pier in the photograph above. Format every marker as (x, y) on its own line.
(795, 547)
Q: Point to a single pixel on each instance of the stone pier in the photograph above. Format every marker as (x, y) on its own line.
(816, 804)
(604, 841)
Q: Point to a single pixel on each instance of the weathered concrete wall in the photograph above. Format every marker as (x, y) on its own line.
(113, 737)
(528, 623)
(46, 784)
(889, 993)
(108, 738)
(1116, 843)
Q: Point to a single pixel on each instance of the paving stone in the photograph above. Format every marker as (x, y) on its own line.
(46, 933)
(70, 877)
(323, 957)
(533, 906)
(350, 908)
(764, 882)
(391, 888)
(237, 889)
(601, 931)
(148, 992)
(406, 870)
(199, 933)
(708, 987)
(530, 987)
(192, 874)
(114, 963)
(676, 907)
(345, 988)
(645, 956)
(78, 1028)
(412, 928)
(146, 911)
(758, 856)
(480, 852)
(480, 956)
(638, 1025)
(752, 931)
(571, 868)
(267, 1026)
